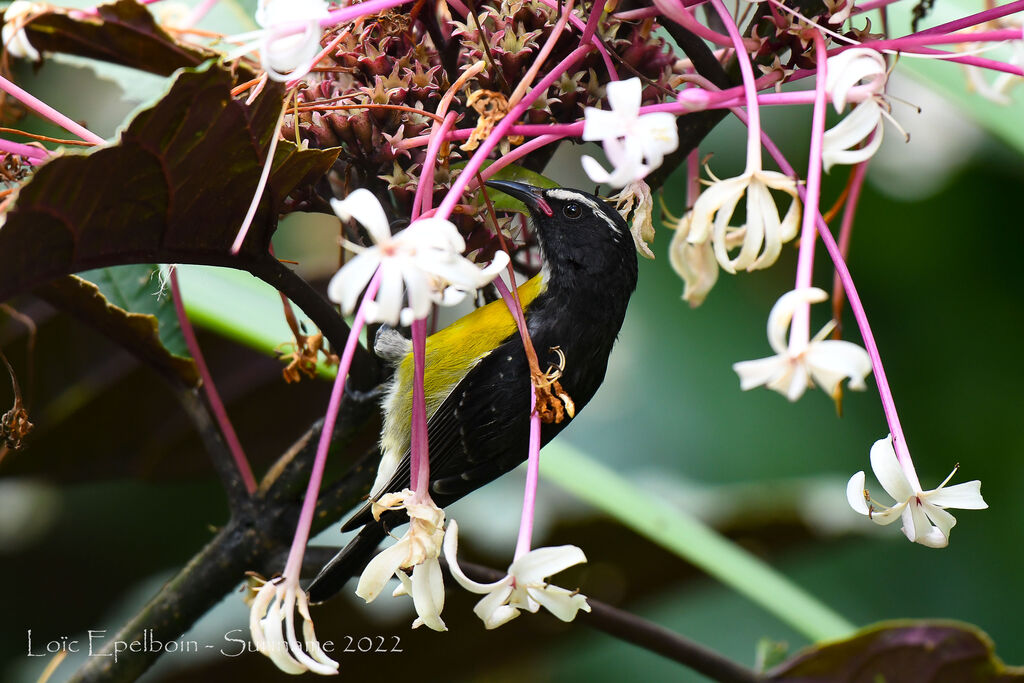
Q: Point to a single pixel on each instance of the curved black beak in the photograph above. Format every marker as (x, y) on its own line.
(529, 195)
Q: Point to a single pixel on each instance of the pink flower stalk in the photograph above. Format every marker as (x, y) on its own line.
(678, 12)
(525, 540)
(500, 130)
(49, 113)
(236, 246)
(220, 414)
(31, 153)
(419, 466)
(293, 566)
(801, 329)
(594, 40)
(859, 314)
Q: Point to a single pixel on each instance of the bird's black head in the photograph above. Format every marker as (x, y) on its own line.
(586, 243)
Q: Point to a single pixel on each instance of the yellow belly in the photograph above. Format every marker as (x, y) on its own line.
(451, 354)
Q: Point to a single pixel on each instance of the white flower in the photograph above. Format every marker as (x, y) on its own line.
(425, 260)
(524, 587)
(846, 71)
(998, 90)
(799, 364)
(634, 144)
(695, 263)
(762, 235)
(14, 36)
(272, 625)
(924, 515)
(840, 143)
(418, 550)
(284, 56)
(636, 198)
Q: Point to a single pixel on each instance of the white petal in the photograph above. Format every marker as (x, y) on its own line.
(761, 208)
(428, 593)
(599, 124)
(848, 68)
(782, 312)
(451, 550)
(709, 204)
(560, 602)
(839, 141)
(277, 648)
(492, 608)
(364, 206)
(756, 373)
(538, 564)
(258, 611)
(888, 471)
(390, 295)
(855, 493)
(380, 570)
(624, 97)
(939, 517)
(888, 515)
(966, 496)
(696, 264)
(831, 361)
(349, 282)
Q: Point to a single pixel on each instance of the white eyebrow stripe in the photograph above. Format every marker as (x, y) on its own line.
(569, 195)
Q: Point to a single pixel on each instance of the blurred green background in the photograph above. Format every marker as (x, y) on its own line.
(114, 493)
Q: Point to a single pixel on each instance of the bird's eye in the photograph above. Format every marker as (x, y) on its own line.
(572, 210)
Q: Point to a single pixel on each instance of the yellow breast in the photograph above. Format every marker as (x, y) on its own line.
(451, 354)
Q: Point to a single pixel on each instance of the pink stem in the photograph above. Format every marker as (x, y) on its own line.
(210, 389)
(425, 190)
(29, 151)
(473, 167)
(294, 564)
(518, 153)
(857, 306)
(523, 544)
(800, 331)
(594, 40)
(692, 177)
(849, 212)
(678, 12)
(260, 186)
(749, 87)
(420, 457)
(592, 20)
(48, 112)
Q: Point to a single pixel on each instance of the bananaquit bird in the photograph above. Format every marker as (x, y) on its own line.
(477, 379)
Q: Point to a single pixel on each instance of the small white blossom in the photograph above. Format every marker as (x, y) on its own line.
(846, 71)
(762, 235)
(418, 550)
(285, 53)
(15, 38)
(272, 625)
(695, 263)
(800, 364)
(423, 262)
(635, 144)
(636, 198)
(860, 69)
(924, 515)
(524, 587)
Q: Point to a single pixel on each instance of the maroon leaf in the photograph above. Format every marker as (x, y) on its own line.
(137, 332)
(902, 652)
(174, 189)
(124, 32)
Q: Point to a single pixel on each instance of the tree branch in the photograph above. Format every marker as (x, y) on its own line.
(322, 312)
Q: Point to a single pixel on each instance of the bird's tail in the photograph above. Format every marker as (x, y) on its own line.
(352, 559)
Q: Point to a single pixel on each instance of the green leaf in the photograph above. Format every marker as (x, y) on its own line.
(136, 288)
(684, 535)
(504, 202)
(918, 651)
(174, 189)
(123, 33)
(136, 332)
